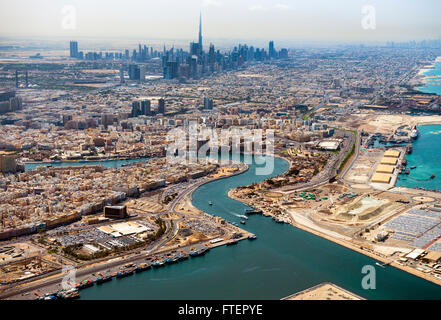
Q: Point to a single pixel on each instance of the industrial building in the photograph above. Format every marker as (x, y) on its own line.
(124, 229)
(389, 161)
(391, 153)
(383, 168)
(381, 178)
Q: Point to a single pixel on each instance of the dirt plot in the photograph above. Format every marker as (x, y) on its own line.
(25, 268)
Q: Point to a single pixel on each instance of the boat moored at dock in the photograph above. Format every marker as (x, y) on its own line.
(414, 133)
(142, 267)
(85, 284)
(158, 264)
(100, 280)
(200, 252)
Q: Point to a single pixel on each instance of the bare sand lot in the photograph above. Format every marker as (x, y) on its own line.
(324, 291)
(387, 123)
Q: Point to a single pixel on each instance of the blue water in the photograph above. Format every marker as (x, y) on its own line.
(426, 156)
(283, 260)
(432, 85)
(108, 164)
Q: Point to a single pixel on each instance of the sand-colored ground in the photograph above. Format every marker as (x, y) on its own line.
(324, 291)
(423, 199)
(386, 123)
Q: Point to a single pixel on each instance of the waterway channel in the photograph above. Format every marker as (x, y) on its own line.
(283, 260)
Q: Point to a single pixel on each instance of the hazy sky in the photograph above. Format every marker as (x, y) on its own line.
(317, 20)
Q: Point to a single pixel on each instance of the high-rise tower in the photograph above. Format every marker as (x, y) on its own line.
(200, 32)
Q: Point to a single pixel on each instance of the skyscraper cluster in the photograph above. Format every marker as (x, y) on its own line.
(192, 64)
(197, 63)
(144, 108)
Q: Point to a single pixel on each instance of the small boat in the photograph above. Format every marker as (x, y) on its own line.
(414, 133)
(85, 284)
(241, 221)
(142, 267)
(182, 256)
(172, 260)
(407, 171)
(121, 274)
(413, 167)
(67, 294)
(210, 203)
(252, 237)
(432, 176)
(125, 273)
(157, 264)
(198, 252)
(103, 279)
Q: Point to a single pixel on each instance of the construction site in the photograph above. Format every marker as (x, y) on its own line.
(30, 265)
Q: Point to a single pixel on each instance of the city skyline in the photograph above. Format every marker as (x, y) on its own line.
(223, 19)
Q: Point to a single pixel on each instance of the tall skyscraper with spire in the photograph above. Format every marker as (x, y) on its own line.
(200, 31)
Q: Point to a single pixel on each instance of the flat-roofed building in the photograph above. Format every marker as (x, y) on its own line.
(332, 145)
(415, 254)
(433, 257)
(389, 161)
(124, 229)
(384, 168)
(381, 178)
(391, 153)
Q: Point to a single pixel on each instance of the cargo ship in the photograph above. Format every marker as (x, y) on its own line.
(182, 256)
(100, 280)
(252, 211)
(68, 294)
(158, 264)
(199, 252)
(171, 260)
(414, 133)
(125, 273)
(142, 267)
(85, 284)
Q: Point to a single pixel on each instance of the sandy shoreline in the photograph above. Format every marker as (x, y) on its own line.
(424, 69)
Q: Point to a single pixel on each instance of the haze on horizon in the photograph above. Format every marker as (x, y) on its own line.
(313, 20)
